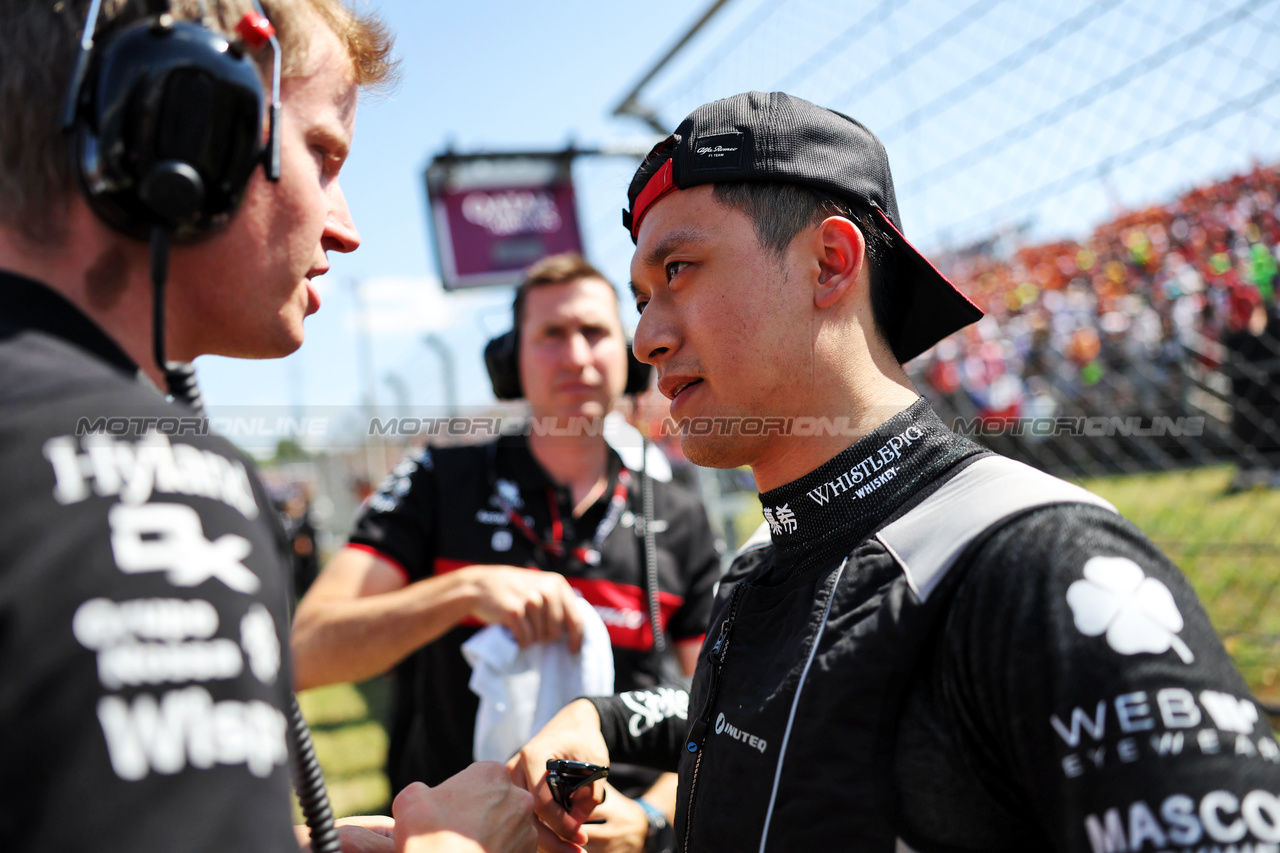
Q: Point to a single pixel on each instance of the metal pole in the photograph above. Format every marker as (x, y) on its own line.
(437, 344)
(630, 104)
(374, 461)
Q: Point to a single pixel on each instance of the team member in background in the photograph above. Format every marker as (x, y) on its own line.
(448, 542)
(143, 581)
(939, 649)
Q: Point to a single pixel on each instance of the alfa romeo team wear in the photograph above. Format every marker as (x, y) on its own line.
(143, 656)
(778, 137)
(1053, 686)
(493, 504)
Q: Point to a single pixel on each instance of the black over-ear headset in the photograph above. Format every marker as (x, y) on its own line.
(166, 122)
(502, 358)
(166, 118)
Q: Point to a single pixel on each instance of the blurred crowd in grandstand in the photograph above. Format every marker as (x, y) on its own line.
(1152, 314)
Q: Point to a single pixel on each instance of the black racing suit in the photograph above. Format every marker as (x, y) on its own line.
(1061, 689)
(447, 508)
(144, 670)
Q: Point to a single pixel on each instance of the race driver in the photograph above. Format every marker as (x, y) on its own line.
(938, 649)
(448, 544)
(143, 605)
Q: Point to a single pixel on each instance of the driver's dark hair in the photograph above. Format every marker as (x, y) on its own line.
(779, 211)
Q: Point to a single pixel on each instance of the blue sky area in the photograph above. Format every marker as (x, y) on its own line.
(478, 76)
(1035, 117)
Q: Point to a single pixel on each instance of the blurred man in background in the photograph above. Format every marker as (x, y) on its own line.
(506, 533)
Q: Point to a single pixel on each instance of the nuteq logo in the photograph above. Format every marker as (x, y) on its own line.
(1137, 613)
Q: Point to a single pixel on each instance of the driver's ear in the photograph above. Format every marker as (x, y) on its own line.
(841, 252)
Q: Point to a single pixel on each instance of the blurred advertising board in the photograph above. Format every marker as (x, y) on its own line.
(495, 214)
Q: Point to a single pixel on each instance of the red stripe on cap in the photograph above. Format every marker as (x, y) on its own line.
(662, 183)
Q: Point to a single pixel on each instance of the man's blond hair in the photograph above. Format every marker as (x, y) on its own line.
(39, 40)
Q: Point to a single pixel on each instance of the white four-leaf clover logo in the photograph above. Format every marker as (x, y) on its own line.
(1136, 612)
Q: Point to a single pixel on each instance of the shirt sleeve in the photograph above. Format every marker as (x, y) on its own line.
(397, 521)
(1094, 698)
(645, 727)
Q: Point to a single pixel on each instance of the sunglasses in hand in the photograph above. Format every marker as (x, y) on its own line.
(565, 776)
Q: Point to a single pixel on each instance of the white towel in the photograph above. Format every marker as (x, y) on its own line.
(627, 441)
(520, 690)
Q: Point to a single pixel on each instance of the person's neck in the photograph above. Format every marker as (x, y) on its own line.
(579, 462)
(840, 423)
(103, 275)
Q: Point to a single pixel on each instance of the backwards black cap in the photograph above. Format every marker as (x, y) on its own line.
(777, 137)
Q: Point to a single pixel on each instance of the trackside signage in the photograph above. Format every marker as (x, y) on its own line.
(494, 218)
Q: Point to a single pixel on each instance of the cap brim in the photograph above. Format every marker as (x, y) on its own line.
(936, 308)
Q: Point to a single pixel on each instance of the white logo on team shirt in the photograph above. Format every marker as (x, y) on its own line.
(782, 519)
(650, 707)
(1137, 613)
(261, 644)
(510, 493)
(164, 537)
(723, 726)
(786, 518)
(774, 527)
(501, 540)
(397, 483)
(1182, 821)
(186, 727)
(615, 617)
(871, 467)
(137, 470)
(630, 519)
(155, 640)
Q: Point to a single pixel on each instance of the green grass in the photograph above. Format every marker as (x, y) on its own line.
(351, 744)
(1229, 547)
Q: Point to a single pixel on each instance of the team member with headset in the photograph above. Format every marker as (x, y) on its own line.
(935, 648)
(448, 542)
(143, 632)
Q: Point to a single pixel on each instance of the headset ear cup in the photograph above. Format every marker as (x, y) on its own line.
(638, 373)
(502, 358)
(168, 128)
